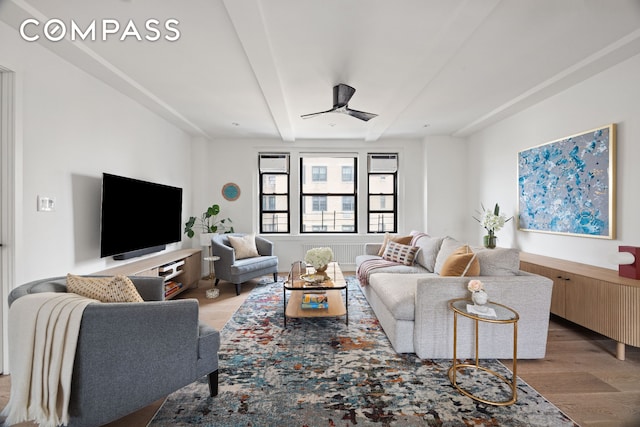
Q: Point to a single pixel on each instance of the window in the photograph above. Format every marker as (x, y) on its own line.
(319, 203)
(347, 174)
(327, 200)
(319, 173)
(348, 204)
(274, 193)
(382, 174)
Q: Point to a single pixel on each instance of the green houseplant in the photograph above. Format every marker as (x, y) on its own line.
(208, 222)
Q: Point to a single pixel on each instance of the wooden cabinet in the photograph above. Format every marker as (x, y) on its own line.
(560, 281)
(594, 297)
(182, 266)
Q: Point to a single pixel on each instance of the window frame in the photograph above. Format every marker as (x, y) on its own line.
(303, 195)
(261, 192)
(394, 194)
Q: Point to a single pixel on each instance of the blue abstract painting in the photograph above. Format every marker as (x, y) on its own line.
(567, 186)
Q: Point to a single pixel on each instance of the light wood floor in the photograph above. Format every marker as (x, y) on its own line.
(580, 374)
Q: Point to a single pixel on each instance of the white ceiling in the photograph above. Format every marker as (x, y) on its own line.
(251, 68)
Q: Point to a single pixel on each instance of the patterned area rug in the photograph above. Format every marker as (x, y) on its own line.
(321, 372)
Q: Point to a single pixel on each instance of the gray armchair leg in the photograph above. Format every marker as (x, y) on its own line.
(216, 284)
(275, 277)
(237, 288)
(213, 383)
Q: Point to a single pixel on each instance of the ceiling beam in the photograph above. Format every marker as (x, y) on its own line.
(607, 57)
(248, 21)
(14, 12)
(452, 36)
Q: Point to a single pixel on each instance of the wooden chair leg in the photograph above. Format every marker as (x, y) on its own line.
(213, 383)
(216, 284)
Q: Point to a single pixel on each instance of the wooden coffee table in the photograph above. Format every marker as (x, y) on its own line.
(333, 288)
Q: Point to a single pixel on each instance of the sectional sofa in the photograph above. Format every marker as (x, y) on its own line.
(410, 299)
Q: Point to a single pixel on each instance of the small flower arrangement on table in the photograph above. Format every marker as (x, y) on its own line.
(478, 294)
(475, 285)
(318, 257)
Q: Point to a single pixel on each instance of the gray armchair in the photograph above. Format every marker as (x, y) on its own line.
(238, 271)
(131, 354)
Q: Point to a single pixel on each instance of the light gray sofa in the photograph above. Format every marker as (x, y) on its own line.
(411, 303)
(238, 271)
(131, 354)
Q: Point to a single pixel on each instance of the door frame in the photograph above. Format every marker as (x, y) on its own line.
(7, 202)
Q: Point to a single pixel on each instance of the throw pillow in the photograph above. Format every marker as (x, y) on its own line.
(104, 289)
(244, 246)
(498, 261)
(403, 240)
(462, 262)
(447, 247)
(429, 247)
(403, 254)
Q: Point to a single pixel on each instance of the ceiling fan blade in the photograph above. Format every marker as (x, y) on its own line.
(360, 114)
(342, 93)
(308, 116)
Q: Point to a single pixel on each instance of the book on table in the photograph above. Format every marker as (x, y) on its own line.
(315, 301)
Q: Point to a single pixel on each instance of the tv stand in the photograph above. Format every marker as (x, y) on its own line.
(139, 252)
(183, 266)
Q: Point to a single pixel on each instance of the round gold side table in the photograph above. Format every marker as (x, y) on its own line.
(504, 315)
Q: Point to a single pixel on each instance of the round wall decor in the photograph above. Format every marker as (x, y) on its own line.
(230, 191)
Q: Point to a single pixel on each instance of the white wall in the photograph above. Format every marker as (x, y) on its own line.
(609, 97)
(73, 128)
(237, 161)
(446, 197)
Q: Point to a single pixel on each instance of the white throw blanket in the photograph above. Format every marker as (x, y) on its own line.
(43, 333)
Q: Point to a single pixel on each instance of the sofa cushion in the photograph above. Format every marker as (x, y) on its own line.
(247, 265)
(244, 246)
(447, 247)
(397, 292)
(429, 248)
(403, 240)
(498, 261)
(462, 262)
(105, 289)
(403, 254)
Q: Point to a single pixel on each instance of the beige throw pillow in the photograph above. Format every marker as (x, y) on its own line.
(105, 289)
(403, 240)
(245, 246)
(462, 262)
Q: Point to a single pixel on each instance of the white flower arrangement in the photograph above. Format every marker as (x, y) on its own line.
(475, 285)
(318, 257)
(492, 221)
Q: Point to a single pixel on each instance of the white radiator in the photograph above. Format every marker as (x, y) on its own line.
(343, 253)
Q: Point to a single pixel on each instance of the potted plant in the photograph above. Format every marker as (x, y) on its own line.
(208, 223)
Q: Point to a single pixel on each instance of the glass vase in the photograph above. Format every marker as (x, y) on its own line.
(490, 241)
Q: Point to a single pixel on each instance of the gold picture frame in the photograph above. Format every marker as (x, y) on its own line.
(568, 186)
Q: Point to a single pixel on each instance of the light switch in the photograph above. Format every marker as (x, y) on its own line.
(46, 204)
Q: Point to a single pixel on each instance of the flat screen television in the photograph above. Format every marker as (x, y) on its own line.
(138, 217)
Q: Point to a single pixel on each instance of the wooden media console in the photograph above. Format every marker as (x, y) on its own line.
(594, 297)
(184, 265)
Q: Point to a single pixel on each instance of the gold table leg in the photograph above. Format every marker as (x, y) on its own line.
(452, 373)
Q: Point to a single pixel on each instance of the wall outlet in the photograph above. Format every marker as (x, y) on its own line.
(46, 204)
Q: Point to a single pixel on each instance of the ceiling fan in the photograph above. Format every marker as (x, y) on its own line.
(341, 95)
